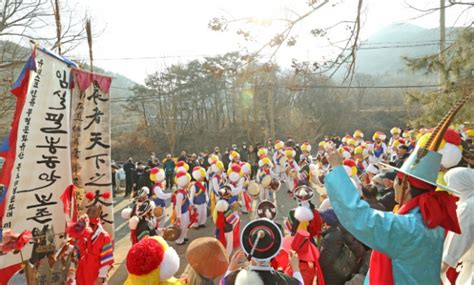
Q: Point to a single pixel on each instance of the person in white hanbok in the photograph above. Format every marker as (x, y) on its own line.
(460, 247)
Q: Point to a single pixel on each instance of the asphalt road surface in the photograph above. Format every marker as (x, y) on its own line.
(122, 233)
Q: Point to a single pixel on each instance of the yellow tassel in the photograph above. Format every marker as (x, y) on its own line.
(214, 216)
(303, 226)
(396, 208)
(213, 201)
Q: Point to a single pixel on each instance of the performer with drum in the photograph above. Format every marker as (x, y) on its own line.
(279, 159)
(158, 176)
(305, 217)
(261, 241)
(198, 196)
(291, 169)
(245, 198)
(305, 157)
(143, 224)
(216, 179)
(226, 221)
(264, 177)
(236, 182)
(182, 216)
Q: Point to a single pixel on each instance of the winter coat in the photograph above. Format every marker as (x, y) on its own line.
(331, 247)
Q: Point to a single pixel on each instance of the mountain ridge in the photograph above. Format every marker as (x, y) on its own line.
(382, 53)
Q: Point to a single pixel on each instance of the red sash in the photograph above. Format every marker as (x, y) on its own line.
(201, 188)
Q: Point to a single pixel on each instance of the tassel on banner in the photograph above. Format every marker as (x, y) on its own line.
(68, 198)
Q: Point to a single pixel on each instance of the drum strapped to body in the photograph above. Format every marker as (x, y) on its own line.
(171, 233)
(293, 173)
(266, 181)
(253, 190)
(158, 211)
(275, 185)
(282, 161)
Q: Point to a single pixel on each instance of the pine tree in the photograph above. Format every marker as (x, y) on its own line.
(456, 69)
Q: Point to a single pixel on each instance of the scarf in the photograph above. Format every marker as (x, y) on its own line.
(201, 189)
(438, 208)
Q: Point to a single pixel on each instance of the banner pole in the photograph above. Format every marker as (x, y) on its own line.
(57, 18)
(89, 42)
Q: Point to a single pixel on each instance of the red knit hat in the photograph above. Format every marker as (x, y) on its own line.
(236, 168)
(181, 173)
(144, 257)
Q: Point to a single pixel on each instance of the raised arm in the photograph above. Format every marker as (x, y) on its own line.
(160, 194)
(383, 231)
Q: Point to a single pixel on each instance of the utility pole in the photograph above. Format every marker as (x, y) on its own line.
(271, 104)
(442, 38)
(442, 25)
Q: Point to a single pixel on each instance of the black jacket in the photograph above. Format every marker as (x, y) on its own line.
(375, 204)
(129, 167)
(399, 161)
(388, 200)
(143, 179)
(331, 247)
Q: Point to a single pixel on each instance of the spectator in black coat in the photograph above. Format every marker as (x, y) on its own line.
(244, 154)
(388, 194)
(402, 156)
(143, 180)
(183, 156)
(139, 172)
(115, 168)
(169, 166)
(205, 160)
(298, 153)
(226, 159)
(129, 169)
(335, 237)
(252, 159)
(193, 162)
(369, 194)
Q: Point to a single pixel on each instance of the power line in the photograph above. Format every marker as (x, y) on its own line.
(298, 88)
(362, 47)
(398, 46)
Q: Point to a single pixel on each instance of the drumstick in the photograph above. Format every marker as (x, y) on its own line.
(260, 235)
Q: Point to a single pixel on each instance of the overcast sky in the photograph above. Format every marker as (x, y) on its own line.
(145, 30)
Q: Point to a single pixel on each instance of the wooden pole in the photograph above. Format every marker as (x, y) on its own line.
(89, 43)
(57, 18)
(442, 41)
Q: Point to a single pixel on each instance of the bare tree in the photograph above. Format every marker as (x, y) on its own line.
(35, 20)
(22, 21)
(347, 47)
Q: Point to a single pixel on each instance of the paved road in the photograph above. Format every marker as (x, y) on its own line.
(122, 233)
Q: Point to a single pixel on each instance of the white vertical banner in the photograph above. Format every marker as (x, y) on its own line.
(42, 166)
(91, 141)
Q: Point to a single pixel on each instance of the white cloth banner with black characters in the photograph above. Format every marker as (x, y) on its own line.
(91, 142)
(41, 171)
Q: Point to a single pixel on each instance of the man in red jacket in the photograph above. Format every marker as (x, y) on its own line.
(94, 244)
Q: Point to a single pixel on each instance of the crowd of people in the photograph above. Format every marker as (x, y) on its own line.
(384, 208)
